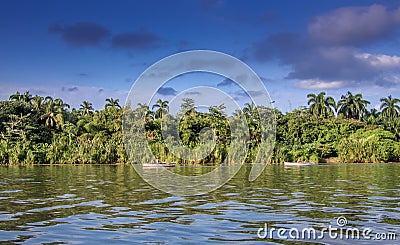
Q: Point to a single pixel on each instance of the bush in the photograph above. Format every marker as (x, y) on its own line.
(375, 145)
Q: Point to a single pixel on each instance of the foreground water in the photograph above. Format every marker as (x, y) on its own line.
(107, 203)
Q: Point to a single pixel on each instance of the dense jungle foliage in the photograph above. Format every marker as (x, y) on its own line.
(39, 130)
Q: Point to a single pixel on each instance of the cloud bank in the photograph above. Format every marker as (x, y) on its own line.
(333, 52)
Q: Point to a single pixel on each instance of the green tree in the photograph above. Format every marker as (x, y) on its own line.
(149, 114)
(26, 97)
(37, 103)
(372, 117)
(61, 106)
(352, 106)
(320, 105)
(187, 106)
(112, 103)
(249, 108)
(34, 129)
(161, 107)
(86, 108)
(53, 112)
(390, 107)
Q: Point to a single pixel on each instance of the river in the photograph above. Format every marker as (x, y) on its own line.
(111, 203)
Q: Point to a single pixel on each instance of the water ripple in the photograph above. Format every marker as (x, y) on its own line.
(100, 204)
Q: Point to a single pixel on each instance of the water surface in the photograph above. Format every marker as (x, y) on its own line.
(111, 203)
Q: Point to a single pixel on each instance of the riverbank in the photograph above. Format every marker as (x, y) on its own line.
(179, 165)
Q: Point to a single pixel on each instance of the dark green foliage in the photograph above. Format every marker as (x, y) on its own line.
(39, 130)
(375, 145)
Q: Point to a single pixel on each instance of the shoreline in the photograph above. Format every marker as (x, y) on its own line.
(183, 165)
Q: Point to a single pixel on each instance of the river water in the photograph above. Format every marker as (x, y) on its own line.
(112, 204)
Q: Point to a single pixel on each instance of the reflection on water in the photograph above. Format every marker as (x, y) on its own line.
(107, 203)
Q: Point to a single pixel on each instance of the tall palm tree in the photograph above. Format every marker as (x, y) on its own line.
(249, 108)
(390, 108)
(48, 98)
(86, 108)
(53, 113)
(37, 103)
(16, 97)
(25, 97)
(62, 107)
(146, 109)
(321, 106)
(161, 107)
(112, 103)
(353, 106)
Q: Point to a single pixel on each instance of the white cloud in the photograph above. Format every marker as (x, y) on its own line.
(319, 84)
(380, 60)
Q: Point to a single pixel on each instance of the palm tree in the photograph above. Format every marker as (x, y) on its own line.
(146, 109)
(249, 109)
(86, 108)
(25, 97)
(62, 107)
(353, 106)
(48, 98)
(321, 106)
(112, 103)
(16, 97)
(37, 107)
(162, 107)
(37, 103)
(390, 108)
(53, 115)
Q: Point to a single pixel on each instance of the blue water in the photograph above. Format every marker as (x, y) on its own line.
(112, 204)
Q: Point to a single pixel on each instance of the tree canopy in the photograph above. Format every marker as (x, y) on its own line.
(36, 130)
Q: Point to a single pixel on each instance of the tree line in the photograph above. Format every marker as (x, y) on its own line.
(39, 130)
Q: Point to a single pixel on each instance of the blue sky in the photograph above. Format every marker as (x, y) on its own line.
(92, 50)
